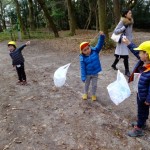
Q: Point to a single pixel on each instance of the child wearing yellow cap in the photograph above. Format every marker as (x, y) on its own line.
(143, 94)
(18, 60)
(90, 65)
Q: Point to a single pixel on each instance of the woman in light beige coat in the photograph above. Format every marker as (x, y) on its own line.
(124, 26)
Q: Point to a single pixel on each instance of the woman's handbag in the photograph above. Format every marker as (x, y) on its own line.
(117, 37)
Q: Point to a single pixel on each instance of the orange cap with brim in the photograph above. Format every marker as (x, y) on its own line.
(83, 45)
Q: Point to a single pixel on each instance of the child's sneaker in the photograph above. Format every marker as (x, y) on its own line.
(93, 98)
(133, 124)
(135, 132)
(84, 96)
(19, 82)
(24, 82)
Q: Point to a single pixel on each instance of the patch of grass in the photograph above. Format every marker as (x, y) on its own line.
(5, 36)
(39, 35)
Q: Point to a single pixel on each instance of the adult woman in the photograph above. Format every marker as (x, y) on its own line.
(122, 51)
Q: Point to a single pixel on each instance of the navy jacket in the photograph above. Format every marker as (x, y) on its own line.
(144, 80)
(16, 55)
(90, 65)
(144, 84)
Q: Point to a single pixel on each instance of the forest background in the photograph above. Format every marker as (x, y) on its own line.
(40, 116)
(46, 18)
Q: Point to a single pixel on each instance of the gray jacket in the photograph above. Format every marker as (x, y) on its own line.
(121, 48)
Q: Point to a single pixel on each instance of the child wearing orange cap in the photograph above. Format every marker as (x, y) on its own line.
(90, 65)
(143, 94)
(18, 60)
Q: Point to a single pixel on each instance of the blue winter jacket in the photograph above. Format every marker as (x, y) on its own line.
(144, 80)
(90, 65)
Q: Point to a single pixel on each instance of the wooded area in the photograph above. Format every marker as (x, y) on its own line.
(31, 15)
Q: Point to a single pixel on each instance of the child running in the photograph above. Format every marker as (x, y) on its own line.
(90, 65)
(18, 61)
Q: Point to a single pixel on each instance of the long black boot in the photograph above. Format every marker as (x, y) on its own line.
(126, 65)
(115, 63)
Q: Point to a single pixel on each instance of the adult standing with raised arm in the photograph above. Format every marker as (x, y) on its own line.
(125, 26)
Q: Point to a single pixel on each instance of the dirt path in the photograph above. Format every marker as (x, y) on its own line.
(41, 117)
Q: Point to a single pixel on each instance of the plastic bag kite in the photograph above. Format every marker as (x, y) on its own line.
(60, 75)
(119, 90)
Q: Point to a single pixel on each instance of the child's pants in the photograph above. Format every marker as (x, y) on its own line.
(93, 79)
(143, 113)
(21, 72)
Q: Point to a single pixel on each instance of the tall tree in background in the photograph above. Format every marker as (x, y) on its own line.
(102, 5)
(48, 17)
(116, 9)
(22, 27)
(92, 12)
(71, 17)
(31, 15)
(3, 4)
(1, 16)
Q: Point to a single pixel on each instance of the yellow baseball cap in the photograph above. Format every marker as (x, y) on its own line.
(145, 46)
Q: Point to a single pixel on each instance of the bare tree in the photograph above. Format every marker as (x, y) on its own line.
(92, 11)
(116, 11)
(31, 15)
(48, 17)
(102, 5)
(2, 17)
(22, 27)
(71, 17)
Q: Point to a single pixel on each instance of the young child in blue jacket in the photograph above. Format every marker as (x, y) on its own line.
(143, 95)
(18, 60)
(90, 65)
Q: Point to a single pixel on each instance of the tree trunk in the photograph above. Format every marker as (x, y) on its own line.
(2, 20)
(97, 20)
(102, 5)
(1, 30)
(31, 15)
(92, 12)
(22, 27)
(90, 15)
(71, 17)
(116, 11)
(49, 18)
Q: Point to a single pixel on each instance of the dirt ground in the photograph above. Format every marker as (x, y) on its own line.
(41, 117)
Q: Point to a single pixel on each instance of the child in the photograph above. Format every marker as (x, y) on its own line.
(18, 60)
(90, 65)
(143, 95)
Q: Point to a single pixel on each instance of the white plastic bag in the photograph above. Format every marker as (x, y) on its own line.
(60, 75)
(119, 90)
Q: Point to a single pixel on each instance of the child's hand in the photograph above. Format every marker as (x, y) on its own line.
(125, 40)
(28, 43)
(146, 103)
(101, 32)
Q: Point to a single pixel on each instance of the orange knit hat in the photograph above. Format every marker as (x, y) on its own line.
(83, 45)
